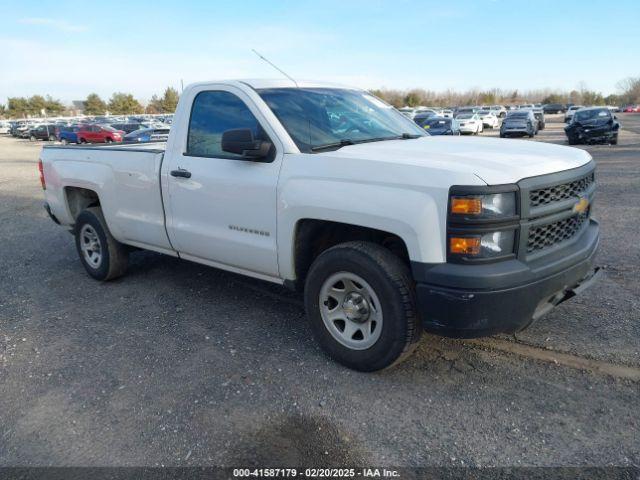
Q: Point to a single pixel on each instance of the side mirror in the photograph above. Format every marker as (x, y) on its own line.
(241, 142)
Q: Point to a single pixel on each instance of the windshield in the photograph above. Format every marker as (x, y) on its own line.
(464, 116)
(322, 117)
(518, 115)
(586, 115)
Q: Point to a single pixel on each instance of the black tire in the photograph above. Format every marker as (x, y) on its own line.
(393, 285)
(572, 140)
(502, 135)
(82, 141)
(108, 140)
(64, 141)
(52, 138)
(114, 254)
(614, 140)
(32, 138)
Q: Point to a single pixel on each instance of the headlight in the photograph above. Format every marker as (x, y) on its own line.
(486, 245)
(482, 226)
(494, 206)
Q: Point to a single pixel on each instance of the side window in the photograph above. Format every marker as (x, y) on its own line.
(213, 113)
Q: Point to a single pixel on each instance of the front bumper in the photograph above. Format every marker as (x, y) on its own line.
(469, 301)
(593, 135)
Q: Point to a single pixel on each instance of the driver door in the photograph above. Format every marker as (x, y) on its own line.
(221, 207)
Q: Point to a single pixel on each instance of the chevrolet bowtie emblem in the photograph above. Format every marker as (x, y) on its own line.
(581, 206)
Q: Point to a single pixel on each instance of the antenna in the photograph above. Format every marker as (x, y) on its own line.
(280, 70)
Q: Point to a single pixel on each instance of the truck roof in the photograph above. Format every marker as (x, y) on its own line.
(258, 83)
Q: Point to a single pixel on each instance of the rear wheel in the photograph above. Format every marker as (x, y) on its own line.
(360, 300)
(64, 141)
(52, 138)
(614, 140)
(32, 138)
(103, 257)
(108, 140)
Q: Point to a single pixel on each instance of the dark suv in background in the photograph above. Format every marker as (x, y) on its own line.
(43, 132)
(550, 108)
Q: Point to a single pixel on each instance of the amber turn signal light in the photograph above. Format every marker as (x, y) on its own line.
(464, 245)
(466, 205)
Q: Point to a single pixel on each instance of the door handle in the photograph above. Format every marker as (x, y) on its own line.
(181, 172)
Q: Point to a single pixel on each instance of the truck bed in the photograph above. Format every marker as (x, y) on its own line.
(126, 178)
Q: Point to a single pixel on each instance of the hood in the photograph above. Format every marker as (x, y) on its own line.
(495, 161)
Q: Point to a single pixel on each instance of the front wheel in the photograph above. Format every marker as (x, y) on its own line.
(64, 141)
(32, 138)
(360, 301)
(103, 257)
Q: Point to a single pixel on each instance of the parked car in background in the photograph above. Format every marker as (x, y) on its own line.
(422, 116)
(570, 112)
(67, 135)
(592, 125)
(99, 134)
(148, 135)
(45, 131)
(127, 127)
(498, 110)
(539, 114)
(439, 125)
(464, 110)
(470, 123)
(408, 112)
(519, 122)
(631, 109)
(613, 108)
(489, 119)
(553, 108)
(5, 127)
(526, 105)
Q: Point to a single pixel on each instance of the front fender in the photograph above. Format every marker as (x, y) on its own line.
(416, 216)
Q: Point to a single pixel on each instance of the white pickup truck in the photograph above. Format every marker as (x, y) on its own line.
(388, 230)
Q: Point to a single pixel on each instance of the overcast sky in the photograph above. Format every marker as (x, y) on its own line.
(71, 48)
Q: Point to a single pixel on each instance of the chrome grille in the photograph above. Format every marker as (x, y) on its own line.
(544, 196)
(550, 234)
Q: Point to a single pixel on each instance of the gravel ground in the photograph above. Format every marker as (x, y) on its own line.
(180, 364)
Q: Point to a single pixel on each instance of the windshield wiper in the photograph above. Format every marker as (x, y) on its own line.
(347, 141)
(336, 145)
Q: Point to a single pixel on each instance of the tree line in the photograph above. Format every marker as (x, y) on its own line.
(126, 104)
(119, 104)
(629, 88)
